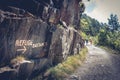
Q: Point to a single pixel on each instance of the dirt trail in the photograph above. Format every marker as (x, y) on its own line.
(99, 65)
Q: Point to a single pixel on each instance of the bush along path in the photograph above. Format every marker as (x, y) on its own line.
(99, 65)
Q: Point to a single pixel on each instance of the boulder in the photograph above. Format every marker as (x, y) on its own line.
(65, 42)
(6, 73)
(25, 70)
(40, 66)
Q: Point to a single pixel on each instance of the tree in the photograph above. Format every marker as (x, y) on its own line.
(113, 22)
(102, 37)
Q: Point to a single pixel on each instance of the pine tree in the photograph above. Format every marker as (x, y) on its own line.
(113, 22)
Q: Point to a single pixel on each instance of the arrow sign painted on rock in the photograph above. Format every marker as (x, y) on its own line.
(23, 50)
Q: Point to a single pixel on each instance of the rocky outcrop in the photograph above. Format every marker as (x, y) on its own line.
(45, 34)
(69, 42)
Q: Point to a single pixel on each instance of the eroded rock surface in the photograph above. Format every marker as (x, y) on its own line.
(43, 32)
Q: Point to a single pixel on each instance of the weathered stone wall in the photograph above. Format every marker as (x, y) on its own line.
(44, 37)
(17, 34)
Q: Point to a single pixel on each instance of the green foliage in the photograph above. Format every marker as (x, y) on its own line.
(110, 39)
(110, 36)
(89, 25)
(101, 33)
(102, 37)
(113, 22)
(84, 36)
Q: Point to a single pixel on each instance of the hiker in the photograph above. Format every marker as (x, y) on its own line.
(86, 41)
(91, 41)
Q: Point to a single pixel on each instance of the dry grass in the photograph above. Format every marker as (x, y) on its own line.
(18, 59)
(64, 69)
(109, 50)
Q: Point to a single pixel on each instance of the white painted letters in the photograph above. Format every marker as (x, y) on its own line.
(25, 43)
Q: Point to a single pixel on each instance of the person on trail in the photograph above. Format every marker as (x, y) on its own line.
(91, 41)
(87, 41)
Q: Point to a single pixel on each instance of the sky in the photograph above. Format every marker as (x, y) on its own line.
(101, 9)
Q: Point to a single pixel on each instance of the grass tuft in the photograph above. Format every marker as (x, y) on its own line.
(18, 59)
(67, 67)
(112, 51)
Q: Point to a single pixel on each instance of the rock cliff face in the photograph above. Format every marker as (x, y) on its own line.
(43, 32)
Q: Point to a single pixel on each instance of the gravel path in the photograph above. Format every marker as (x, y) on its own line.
(99, 65)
